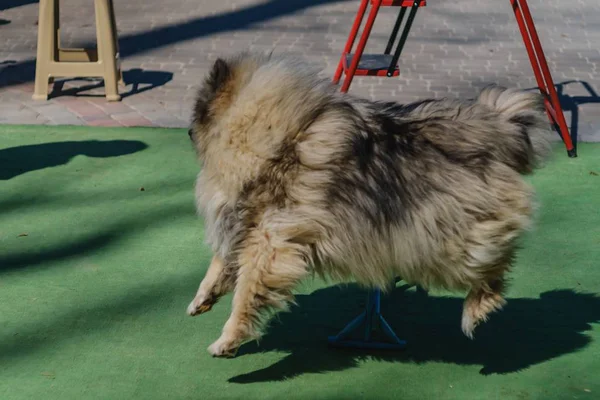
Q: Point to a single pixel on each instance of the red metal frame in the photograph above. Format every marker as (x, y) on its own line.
(350, 42)
(541, 71)
(530, 39)
(350, 72)
(400, 3)
(368, 72)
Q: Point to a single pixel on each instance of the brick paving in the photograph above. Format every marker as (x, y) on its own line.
(455, 48)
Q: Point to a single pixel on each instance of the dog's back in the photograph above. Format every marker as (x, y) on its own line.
(433, 188)
(504, 125)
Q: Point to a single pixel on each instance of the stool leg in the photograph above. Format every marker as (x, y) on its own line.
(107, 53)
(559, 116)
(361, 46)
(542, 72)
(113, 24)
(56, 32)
(351, 38)
(45, 48)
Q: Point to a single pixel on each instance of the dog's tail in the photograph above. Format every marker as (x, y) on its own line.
(527, 144)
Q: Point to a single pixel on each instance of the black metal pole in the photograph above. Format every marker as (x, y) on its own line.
(409, 21)
(388, 48)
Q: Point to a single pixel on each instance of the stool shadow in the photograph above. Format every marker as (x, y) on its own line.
(528, 331)
(140, 81)
(571, 103)
(15, 161)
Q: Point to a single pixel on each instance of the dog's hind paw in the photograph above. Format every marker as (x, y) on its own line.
(477, 307)
(468, 325)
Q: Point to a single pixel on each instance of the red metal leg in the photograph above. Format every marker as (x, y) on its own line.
(532, 57)
(351, 39)
(361, 45)
(541, 70)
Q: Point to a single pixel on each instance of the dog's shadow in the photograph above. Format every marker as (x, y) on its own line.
(527, 332)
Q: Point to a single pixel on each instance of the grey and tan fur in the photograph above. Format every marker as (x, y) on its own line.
(298, 178)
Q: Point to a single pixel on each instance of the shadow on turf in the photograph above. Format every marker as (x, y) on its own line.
(90, 244)
(527, 332)
(15, 161)
(62, 252)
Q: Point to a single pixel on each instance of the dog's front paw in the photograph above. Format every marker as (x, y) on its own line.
(224, 347)
(200, 305)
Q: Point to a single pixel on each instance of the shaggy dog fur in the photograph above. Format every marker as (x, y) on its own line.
(298, 178)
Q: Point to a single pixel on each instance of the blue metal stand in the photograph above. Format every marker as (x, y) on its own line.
(369, 317)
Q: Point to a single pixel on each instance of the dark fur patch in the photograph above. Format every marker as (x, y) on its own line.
(522, 153)
(393, 108)
(270, 187)
(526, 122)
(378, 186)
(218, 76)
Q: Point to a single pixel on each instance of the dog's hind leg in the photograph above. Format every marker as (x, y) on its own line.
(269, 269)
(217, 282)
(480, 302)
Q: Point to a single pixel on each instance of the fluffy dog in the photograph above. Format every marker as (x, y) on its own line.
(298, 178)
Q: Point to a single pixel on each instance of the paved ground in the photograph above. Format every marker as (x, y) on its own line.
(167, 46)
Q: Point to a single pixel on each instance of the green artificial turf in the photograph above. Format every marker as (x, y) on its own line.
(96, 274)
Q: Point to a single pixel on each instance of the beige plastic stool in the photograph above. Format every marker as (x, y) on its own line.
(52, 61)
